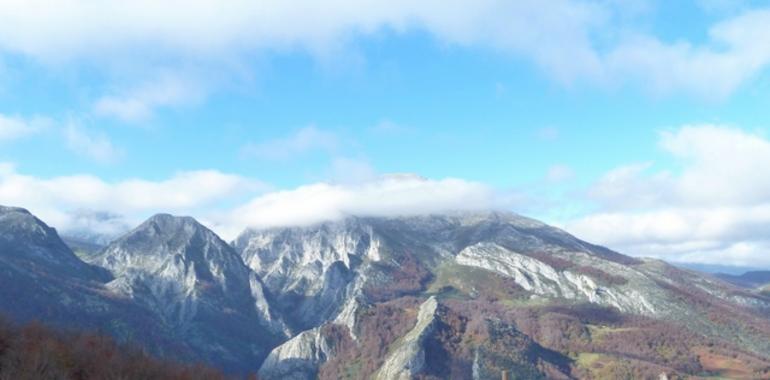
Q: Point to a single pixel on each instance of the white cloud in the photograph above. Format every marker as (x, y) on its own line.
(571, 40)
(210, 27)
(627, 187)
(301, 142)
(12, 127)
(390, 195)
(715, 210)
(139, 103)
(724, 165)
(559, 173)
(735, 53)
(96, 146)
(78, 202)
(85, 205)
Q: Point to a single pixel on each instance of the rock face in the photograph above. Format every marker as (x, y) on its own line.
(197, 285)
(310, 269)
(408, 359)
(298, 358)
(544, 280)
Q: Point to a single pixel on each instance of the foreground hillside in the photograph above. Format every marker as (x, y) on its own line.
(36, 352)
(460, 296)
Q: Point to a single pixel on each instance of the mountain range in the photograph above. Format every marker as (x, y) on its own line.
(461, 295)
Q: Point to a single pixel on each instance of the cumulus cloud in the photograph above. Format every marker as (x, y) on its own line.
(100, 227)
(94, 145)
(138, 103)
(207, 27)
(570, 40)
(735, 53)
(300, 142)
(14, 127)
(78, 203)
(716, 209)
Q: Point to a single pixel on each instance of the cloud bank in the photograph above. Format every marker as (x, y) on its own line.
(389, 195)
(716, 209)
(84, 205)
(76, 204)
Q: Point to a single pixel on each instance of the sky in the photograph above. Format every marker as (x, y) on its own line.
(639, 124)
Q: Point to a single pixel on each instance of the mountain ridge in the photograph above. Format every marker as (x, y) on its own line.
(510, 293)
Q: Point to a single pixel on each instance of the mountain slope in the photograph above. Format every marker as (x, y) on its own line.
(42, 279)
(337, 274)
(26, 244)
(458, 295)
(197, 286)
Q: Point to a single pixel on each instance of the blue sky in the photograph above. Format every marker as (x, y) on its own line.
(602, 117)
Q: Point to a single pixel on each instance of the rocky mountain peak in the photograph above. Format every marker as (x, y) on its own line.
(18, 223)
(9, 209)
(195, 282)
(168, 221)
(168, 229)
(26, 240)
(164, 237)
(171, 247)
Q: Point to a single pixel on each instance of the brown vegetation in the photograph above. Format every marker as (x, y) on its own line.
(602, 276)
(551, 259)
(732, 366)
(406, 276)
(33, 351)
(378, 326)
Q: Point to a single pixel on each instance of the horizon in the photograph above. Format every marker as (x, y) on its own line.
(621, 125)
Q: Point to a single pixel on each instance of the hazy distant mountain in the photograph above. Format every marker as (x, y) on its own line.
(458, 295)
(751, 280)
(714, 268)
(94, 227)
(82, 248)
